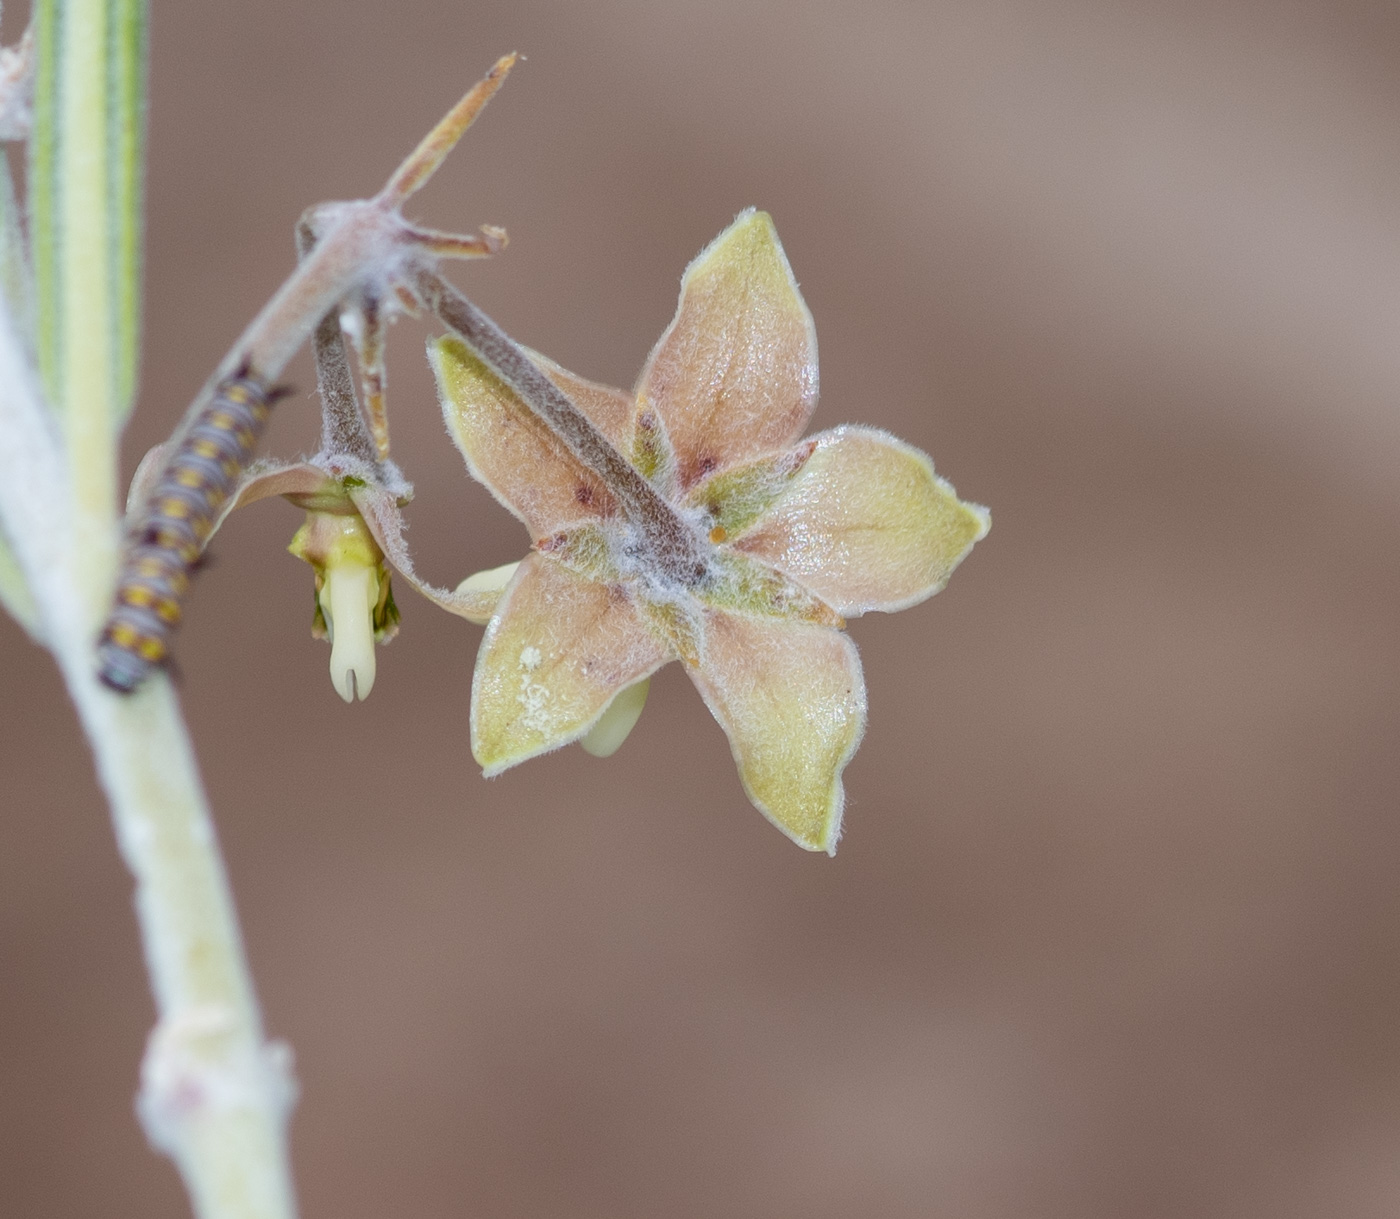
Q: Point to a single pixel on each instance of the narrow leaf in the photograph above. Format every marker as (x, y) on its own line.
(85, 185)
(42, 186)
(126, 132)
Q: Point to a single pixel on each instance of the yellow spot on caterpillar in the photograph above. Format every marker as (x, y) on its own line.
(124, 635)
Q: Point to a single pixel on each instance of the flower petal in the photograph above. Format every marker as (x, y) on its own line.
(481, 592)
(735, 498)
(743, 585)
(309, 486)
(554, 656)
(866, 524)
(792, 700)
(507, 448)
(735, 373)
(380, 511)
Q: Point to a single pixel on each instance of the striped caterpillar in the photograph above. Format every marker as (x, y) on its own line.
(181, 511)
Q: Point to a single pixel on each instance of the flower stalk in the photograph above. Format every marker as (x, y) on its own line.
(673, 546)
(354, 252)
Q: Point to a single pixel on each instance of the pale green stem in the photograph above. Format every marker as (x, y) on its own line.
(214, 1096)
(17, 290)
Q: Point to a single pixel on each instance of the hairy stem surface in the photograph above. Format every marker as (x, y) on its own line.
(672, 543)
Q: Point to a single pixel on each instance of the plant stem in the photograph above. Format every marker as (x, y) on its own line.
(213, 1095)
(343, 428)
(672, 542)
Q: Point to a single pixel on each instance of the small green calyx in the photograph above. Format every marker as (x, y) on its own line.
(354, 601)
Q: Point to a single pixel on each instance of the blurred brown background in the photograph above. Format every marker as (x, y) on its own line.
(1115, 928)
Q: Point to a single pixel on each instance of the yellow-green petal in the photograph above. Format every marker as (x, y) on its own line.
(743, 585)
(524, 465)
(735, 374)
(485, 589)
(866, 524)
(555, 655)
(735, 498)
(791, 699)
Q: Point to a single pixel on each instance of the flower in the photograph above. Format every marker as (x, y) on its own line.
(354, 602)
(352, 533)
(773, 542)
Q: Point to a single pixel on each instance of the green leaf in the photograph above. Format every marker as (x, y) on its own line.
(85, 186)
(126, 130)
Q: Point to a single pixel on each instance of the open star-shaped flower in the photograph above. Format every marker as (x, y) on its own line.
(741, 556)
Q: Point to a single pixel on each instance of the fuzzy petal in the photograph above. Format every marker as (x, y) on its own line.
(735, 498)
(742, 585)
(866, 524)
(735, 374)
(380, 511)
(553, 658)
(792, 700)
(310, 486)
(481, 592)
(507, 448)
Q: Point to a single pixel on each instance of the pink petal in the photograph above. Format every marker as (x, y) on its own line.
(792, 700)
(866, 524)
(735, 374)
(557, 652)
(507, 448)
